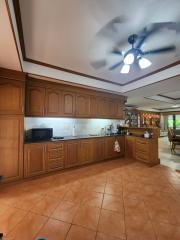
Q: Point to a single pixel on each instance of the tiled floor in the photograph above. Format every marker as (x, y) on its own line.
(114, 200)
(167, 158)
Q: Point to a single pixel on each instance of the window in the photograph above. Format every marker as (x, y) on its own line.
(174, 121)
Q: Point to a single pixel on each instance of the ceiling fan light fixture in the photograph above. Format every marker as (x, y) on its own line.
(125, 69)
(129, 59)
(144, 63)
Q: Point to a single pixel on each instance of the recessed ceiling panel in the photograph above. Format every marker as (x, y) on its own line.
(64, 34)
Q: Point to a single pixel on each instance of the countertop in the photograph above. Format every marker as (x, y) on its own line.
(66, 138)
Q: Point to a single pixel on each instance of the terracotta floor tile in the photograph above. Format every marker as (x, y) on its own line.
(113, 203)
(139, 228)
(112, 223)
(87, 216)
(28, 227)
(135, 208)
(65, 211)
(102, 236)
(54, 230)
(92, 199)
(113, 189)
(46, 206)
(167, 231)
(80, 233)
(10, 218)
(3, 208)
(73, 196)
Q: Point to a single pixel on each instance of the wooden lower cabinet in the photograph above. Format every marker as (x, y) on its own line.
(141, 149)
(34, 159)
(55, 156)
(86, 151)
(109, 147)
(11, 147)
(72, 153)
(99, 149)
(130, 146)
(40, 158)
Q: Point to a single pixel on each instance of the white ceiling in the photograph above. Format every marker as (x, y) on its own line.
(65, 33)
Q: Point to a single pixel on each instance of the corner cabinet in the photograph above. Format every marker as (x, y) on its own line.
(34, 159)
(11, 147)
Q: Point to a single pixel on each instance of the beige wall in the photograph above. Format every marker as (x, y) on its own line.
(8, 52)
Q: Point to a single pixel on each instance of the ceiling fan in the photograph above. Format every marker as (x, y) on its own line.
(135, 55)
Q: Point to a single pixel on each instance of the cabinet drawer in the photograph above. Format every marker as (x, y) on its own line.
(55, 153)
(141, 156)
(142, 146)
(52, 146)
(56, 163)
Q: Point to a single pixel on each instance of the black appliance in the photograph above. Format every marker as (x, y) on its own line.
(38, 134)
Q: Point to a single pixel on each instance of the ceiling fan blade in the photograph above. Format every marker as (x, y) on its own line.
(115, 65)
(161, 50)
(98, 64)
(153, 28)
(117, 52)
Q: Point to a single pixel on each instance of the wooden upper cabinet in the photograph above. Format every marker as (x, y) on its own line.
(102, 107)
(82, 105)
(72, 153)
(35, 101)
(34, 159)
(53, 103)
(11, 147)
(120, 109)
(68, 104)
(11, 97)
(93, 106)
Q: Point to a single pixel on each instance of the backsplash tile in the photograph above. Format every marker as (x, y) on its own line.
(64, 126)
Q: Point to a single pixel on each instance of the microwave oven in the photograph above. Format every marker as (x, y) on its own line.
(38, 134)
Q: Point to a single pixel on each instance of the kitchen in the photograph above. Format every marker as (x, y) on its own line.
(79, 139)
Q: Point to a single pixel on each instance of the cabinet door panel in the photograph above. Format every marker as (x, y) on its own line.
(99, 149)
(130, 150)
(72, 154)
(11, 97)
(53, 102)
(86, 151)
(34, 160)
(68, 102)
(82, 105)
(11, 147)
(35, 104)
(103, 107)
(93, 106)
